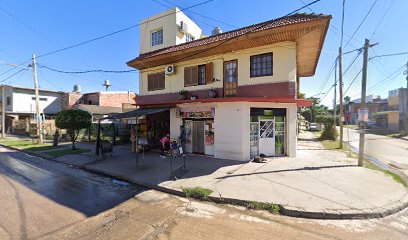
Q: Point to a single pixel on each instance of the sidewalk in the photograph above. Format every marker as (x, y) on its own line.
(318, 183)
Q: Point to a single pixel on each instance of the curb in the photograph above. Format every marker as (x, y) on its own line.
(290, 211)
(392, 208)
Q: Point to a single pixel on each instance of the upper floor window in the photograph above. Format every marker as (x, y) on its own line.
(8, 100)
(155, 81)
(198, 75)
(157, 37)
(261, 65)
(201, 75)
(41, 98)
(189, 38)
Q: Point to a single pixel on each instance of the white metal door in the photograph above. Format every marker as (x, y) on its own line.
(267, 137)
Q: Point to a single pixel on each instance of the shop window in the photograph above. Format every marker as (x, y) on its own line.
(261, 65)
(155, 81)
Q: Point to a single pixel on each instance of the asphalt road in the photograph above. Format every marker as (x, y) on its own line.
(386, 149)
(40, 199)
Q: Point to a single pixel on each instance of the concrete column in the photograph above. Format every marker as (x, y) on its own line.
(175, 123)
(291, 134)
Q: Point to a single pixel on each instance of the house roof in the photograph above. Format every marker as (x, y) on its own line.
(308, 30)
(99, 110)
(32, 89)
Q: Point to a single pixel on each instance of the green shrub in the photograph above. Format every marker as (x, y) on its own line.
(329, 131)
(197, 192)
(271, 207)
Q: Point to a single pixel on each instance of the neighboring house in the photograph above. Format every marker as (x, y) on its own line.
(374, 104)
(98, 112)
(242, 84)
(21, 108)
(397, 108)
(104, 99)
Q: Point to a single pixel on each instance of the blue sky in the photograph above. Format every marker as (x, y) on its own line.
(45, 26)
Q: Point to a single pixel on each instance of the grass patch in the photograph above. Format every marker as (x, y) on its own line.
(63, 152)
(335, 145)
(42, 148)
(270, 207)
(396, 177)
(197, 192)
(21, 144)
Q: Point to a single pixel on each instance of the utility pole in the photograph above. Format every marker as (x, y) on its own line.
(37, 101)
(335, 95)
(341, 97)
(3, 112)
(405, 103)
(363, 104)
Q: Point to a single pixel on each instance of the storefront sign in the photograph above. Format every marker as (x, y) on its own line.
(196, 112)
(363, 115)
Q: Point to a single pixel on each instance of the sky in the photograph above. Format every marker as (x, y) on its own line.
(41, 27)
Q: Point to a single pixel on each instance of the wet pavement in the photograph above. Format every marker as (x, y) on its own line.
(39, 196)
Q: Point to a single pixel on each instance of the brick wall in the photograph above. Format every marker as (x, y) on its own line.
(115, 99)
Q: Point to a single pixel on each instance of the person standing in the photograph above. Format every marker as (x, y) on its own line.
(183, 139)
(165, 145)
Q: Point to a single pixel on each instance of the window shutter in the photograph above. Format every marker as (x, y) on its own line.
(194, 75)
(187, 76)
(161, 81)
(150, 82)
(209, 73)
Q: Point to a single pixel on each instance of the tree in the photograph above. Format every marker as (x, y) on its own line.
(347, 99)
(329, 130)
(73, 120)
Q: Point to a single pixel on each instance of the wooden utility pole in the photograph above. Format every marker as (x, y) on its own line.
(341, 97)
(405, 102)
(335, 95)
(3, 112)
(363, 104)
(37, 101)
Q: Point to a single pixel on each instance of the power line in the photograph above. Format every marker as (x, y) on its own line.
(12, 75)
(382, 18)
(361, 23)
(199, 14)
(389, 55)
(118, 31)
(86, 71)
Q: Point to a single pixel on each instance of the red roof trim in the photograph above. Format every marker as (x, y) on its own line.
(299, 102)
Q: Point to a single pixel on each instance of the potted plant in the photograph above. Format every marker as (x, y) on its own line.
(212, 93)
(183, 94)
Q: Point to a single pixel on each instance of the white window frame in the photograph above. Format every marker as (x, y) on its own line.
(189, 37)
(155, 37)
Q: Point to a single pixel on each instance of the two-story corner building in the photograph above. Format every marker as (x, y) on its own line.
(242, 85)
(20, 106)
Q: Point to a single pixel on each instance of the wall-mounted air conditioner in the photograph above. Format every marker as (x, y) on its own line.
(170, 69)
(183, 27)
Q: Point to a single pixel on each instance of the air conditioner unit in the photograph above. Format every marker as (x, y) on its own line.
(183, 27)
(171, 69)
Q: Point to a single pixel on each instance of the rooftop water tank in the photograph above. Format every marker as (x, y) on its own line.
(216, 31)
(77, 88)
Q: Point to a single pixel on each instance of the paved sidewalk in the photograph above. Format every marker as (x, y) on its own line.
(317, 180)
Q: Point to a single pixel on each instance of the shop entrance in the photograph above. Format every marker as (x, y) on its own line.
(198, 137)
(268, 131)
(267, 137)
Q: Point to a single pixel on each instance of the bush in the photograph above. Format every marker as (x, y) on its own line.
(197, 192)
(271, 207)
(329, 130)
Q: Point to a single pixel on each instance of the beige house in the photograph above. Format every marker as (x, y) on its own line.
(242, 85)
